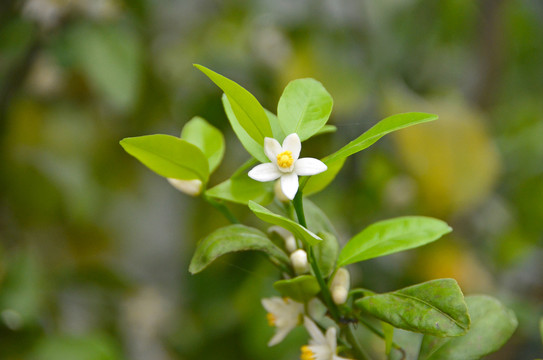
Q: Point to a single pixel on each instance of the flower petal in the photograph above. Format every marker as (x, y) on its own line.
(289, 184)
(293, 144)
(264, 172)
(280, 334)
(331, 339)
(272, 148)
(314, 331)
(309, 166)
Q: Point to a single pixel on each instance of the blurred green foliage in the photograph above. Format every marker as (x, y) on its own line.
(94, 249)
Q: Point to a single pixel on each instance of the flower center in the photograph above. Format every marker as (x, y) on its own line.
(307, 354)
(285, 159)
(271, 319)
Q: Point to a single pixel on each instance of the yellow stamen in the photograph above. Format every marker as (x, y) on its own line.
(285, 159)
(271, 319)
(307, 354)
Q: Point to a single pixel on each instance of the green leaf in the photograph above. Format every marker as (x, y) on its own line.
(230, 239)
(248, 111)
(388, 332)
(298, 230)
(252, 147)
(241, 189)
(304, 108)
(314, 184)
(207, 138)
(326, 129)
(326, 253)
(168, 156)
(492, 324)
(302, 288)
(541, 329)
(278, 133)
(391, 236)
(316, 219)
(435, 307)
(383, 127)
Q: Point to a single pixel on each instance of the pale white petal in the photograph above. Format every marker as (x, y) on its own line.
(314, 331)
(279, 336)
(309, 166)
(272, 148)
(264, 172)
(190, 187)
(289, 184)
(331, 339)
(293, 144)
(272, 305)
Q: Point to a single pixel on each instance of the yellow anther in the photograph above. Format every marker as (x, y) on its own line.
(271, 319)
(285, 159)
(307, 354)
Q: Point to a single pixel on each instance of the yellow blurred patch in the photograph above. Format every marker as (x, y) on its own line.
(453, 159)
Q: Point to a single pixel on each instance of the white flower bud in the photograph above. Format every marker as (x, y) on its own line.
(290, 240)
(299, 261)
(279, 192)
(189, 187)
(340, 286)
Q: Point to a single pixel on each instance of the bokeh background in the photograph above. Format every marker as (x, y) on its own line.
(94, 248)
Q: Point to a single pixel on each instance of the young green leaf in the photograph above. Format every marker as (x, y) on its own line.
(435, 307)
(230, 239)
(298, 230)
(252, 147)
(278, 133)
(248, 111)
(326, 129)
(304, 108)
(326, 253)
(391, 236)
(383, 127)
(316, 219)
(241, 189)
(168, 156)
(302, 288)
(207, 138)
(492, 324)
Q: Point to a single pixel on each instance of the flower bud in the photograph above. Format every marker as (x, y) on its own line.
(290, 240)
(279, 192)
(189, 187)
(299, 261)
(340, 286)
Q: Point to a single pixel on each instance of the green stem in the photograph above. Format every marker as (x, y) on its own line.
(223, 209)
(327, 297)
(358, 350)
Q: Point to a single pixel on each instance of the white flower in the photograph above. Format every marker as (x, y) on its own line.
(285, 164)
(189, 187)
(284, 314)
(321, 346)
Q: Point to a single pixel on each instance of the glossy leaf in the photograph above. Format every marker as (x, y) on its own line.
(326, 253)
(326, 129)
(252, 147)
(492, 324)
(168, 156)
(207, 138)
(249, 113)
(278, 133)
(298, 230)
(316, 219)
(383, 127)
(435, 307)
(302, 288)
(304, 107)
(231, 239)
(391, 236)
